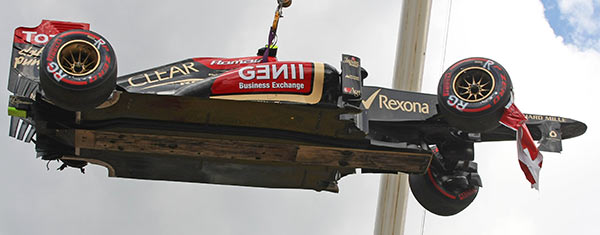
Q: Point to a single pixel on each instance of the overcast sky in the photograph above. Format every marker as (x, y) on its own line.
(554, 71)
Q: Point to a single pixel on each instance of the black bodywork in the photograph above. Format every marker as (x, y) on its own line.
(383, 119)
(185, 121)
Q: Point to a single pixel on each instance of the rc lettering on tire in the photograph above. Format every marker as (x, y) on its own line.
(78, 70)
(472, 94)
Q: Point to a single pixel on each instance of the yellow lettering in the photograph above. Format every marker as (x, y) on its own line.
(148, 79)
(407, 105)
(31, 52)
(130, 80)
(393, 104)
(174, 70)
(383, 102)
(417, 107)
(401, 106)
(19, 60)
(534, 117)
(353, 77)
(158, 75)
(425, 108)
(352, 63)
(30, 62)
(551, 118)
(545, 118)
(25, 51)
(189, 66)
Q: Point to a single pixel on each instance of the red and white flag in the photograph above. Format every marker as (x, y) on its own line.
(530, 158)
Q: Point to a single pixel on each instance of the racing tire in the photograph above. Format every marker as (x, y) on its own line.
(78, 70)
(436, 198)
(473, 94)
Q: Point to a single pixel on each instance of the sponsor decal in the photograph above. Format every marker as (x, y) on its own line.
(314, 74)
(30, 51)
(544, 118)
(45, 31)
(162, 74)
(235, 61)
(352, 91)
(351, 61)
(351, 80)
(37, 38)
(352, 77)
(261, 72)
(279, 77)
(230, 63)
(367, 103)
(403, 105)
(387, 103)
(28, 56)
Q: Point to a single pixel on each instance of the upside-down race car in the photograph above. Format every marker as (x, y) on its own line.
(257, 121)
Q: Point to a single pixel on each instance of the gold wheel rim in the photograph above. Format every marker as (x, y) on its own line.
(473, 84)
(78, 58)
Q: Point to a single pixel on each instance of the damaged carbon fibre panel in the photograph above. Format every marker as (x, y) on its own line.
(249, 163)
(228, 142)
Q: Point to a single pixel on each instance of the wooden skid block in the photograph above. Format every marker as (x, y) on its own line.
(197, 147)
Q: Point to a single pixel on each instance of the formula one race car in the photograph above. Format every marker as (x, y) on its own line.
(257, 121)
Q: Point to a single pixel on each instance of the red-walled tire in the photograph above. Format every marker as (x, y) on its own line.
(78, 70)
(473, 93)
(438, 199)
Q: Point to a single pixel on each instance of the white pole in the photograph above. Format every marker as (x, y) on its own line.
(408, 75)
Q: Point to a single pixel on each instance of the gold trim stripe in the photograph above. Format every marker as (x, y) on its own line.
(192, 80)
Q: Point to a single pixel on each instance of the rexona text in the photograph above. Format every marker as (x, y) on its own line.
(403, 105)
